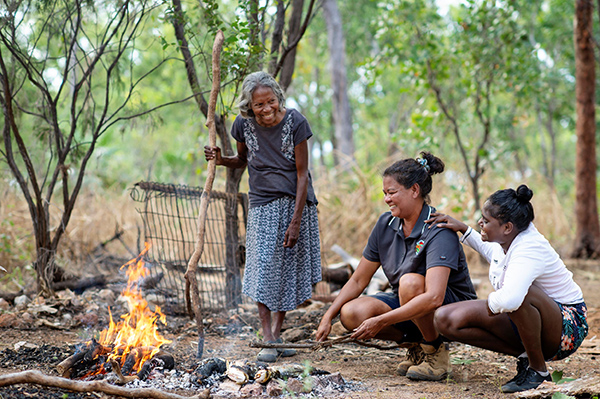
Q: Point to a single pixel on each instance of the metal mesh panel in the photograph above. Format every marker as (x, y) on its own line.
(170, 216)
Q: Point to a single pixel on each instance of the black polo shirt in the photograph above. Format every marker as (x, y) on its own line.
(424, 248)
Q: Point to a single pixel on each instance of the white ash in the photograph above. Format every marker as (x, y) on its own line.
(165, 379)
(321, 386)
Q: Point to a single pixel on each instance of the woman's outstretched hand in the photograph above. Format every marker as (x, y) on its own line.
(448, 222)
(368, 328)
(324, 329)
(213, 153)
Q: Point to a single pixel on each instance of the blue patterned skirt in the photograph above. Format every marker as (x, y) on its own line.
(281, 278)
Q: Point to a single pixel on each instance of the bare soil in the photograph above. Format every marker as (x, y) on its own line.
(476, 373)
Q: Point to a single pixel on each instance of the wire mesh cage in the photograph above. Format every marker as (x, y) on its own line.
(170, 218)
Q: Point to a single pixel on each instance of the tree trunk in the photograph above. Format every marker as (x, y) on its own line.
(234, 176)
(277, 36)
(586, 208)
(342, 115)
(287, 70)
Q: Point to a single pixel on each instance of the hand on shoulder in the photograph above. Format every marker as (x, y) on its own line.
(441, 220)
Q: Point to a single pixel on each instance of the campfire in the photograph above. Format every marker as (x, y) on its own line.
(130, 346)
(128, 352)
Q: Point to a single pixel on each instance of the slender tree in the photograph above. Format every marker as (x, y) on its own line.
(342, 115)
(66, 77)
(587, 239)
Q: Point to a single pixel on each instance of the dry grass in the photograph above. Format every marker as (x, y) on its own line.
(349, 206)
(94, 220)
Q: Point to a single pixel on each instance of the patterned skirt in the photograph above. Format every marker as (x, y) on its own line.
(281, 278)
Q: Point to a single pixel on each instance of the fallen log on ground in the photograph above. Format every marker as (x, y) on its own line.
(79, 284)
(37, 377)
(10, 296)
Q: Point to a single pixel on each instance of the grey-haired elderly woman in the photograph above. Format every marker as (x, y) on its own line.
(283, 256)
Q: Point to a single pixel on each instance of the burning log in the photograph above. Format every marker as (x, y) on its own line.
(84, 358)
(36, 377)
(162, 360)
(131, 342)
(135, 357)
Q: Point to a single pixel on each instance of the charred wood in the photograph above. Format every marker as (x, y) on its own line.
(208, 367)
(162, 360)
(79, 285)
(83, 360)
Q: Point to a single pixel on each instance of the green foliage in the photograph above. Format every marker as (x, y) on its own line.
(459, 360)
(560, 395)
(557, 377)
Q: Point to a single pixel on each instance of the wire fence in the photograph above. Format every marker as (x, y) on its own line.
(170, 217)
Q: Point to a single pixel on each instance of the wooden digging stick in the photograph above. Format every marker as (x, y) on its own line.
(191, 282)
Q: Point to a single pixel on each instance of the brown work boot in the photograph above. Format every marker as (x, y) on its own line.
(414, 356)
(435, 365)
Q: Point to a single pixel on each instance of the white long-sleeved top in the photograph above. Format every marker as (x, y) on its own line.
(530, 259)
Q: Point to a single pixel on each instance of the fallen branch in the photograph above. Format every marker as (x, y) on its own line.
(116, 368)
(79, 284)
(36, 377)
(326, 344)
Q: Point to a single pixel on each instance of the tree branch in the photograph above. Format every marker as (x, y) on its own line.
(292, 45)
(37, 377)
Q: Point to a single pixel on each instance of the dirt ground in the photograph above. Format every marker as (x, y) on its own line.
(476, 373)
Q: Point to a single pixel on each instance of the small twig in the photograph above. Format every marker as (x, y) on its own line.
(326, 344)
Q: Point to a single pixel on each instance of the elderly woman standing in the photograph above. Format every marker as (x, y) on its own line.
(283, 256)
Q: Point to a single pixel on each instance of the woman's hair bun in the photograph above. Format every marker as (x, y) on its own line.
(435, 164)
(524, 193)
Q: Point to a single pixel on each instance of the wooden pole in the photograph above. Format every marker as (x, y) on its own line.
(192, 293)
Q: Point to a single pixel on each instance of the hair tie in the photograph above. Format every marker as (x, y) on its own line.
(423, 163)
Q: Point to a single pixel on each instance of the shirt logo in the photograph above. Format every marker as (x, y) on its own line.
(419, 246)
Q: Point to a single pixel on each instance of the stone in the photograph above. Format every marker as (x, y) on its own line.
(229, 386)
(27, 318)
(21, 302)
(107, 296)
(275, 388)
(316, 305)
(294, 334)
(3, 304)
(251, 390)
(88, 319)
(296, 386)
(155, 299)
(8, 320)
(335, 378)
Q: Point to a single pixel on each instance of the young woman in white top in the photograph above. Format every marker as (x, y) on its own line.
(536, 312)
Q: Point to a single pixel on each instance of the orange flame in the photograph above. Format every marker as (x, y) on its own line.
(137, 332)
